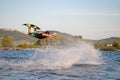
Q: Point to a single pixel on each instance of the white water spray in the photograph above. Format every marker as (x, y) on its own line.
(82, 53)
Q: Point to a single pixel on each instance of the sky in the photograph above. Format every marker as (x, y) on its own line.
(93, 19)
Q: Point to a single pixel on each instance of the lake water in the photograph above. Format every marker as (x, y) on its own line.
(54, 64)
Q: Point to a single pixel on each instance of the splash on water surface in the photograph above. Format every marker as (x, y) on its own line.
(81, 53)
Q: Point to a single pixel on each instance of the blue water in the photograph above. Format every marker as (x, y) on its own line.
(28, 65)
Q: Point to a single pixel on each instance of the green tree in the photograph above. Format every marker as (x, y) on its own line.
(117, 42)
(79, 36)
(7, 41)
(23, 44)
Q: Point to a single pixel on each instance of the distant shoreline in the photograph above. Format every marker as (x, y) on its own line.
(45, 48)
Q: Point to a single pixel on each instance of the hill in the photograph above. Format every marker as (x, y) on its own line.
(103, 41)
(108, 40)
(61, 39)
(16, 35)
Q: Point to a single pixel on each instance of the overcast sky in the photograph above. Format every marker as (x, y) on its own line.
(93, 19)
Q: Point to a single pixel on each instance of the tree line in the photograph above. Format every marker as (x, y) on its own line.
(7, 42)
(109, 46)
(60, 40)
